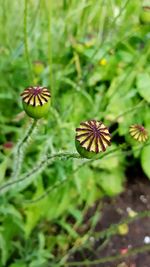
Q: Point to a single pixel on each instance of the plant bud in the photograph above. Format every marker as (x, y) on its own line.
(138, 132)
(145, 15)
(36, 101)
(92, 137)
(38, 67)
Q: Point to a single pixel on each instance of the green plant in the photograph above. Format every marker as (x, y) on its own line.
(145, 15)
(89, 52)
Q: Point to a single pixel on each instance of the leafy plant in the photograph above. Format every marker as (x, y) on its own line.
(94, 57)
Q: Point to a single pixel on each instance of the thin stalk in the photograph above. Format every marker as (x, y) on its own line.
(131, 252)
(39, 167)
(138, 106)
(31, 77)
(107, 233)
(19, 153)
(60, 183)
(47, 160)
(48, 11)
(100, 35)
(112, 153)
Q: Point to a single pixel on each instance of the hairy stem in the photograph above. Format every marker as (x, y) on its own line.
(131, 252)
(47, 160)
(59, 183)
(105, 234)
(38, 168)
(19, 153)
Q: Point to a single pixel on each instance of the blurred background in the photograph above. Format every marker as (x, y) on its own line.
(94, 57)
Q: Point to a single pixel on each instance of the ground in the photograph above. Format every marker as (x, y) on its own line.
(136, 234)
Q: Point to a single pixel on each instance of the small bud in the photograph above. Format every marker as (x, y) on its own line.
(138, 132)
(36, 101)
(38, 67)
(145, 15)
(92, 137)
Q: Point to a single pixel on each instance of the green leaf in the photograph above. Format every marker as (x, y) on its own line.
(35, 211)
(111, 183)
(143, 86)
(69, 229)
(18, 264)
(145, 160)
(110, 163)
(3, 249)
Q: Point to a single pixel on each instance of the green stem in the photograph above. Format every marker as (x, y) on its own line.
(26, 41)
(59, 183)
(113, 229)
(131, 252)
(39, 167)
(112, 152)
(19, 153)
(48, 191)
(106, 234)
(47, 160)
(48, 10)
(138, 106)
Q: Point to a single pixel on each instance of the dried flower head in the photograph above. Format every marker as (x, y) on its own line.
(138, 132)
(92, 137)
(36, 101)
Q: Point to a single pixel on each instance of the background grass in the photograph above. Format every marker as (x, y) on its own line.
(94, 56)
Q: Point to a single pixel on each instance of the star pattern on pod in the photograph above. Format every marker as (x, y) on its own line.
(93, 135)
(36, 95)
(138, 132)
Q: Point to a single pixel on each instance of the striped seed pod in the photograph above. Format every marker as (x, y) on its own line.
(138, 132)
(145, 15)
(36, 101)
(92, 137)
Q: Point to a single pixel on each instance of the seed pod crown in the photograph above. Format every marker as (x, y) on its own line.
(138, 132)
(92, 137)
(36, 101)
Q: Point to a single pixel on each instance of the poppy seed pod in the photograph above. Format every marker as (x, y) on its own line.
(138, 132)
(36, 101)
(92, 137)
(145, 15)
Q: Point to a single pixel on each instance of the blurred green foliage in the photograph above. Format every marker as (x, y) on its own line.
(94, 56)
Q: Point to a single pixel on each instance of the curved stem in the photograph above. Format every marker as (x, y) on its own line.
(39, 167)
(107, 233)
(48, 191)
(56, 185)
(19, 153)
(111, 152)
(138, 106)
(59, 183)
(131, 252)
(47, 160)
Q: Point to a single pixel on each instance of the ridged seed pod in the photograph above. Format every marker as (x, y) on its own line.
(92, 137)
(36, 101)
(138, 132)
(145, 15)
